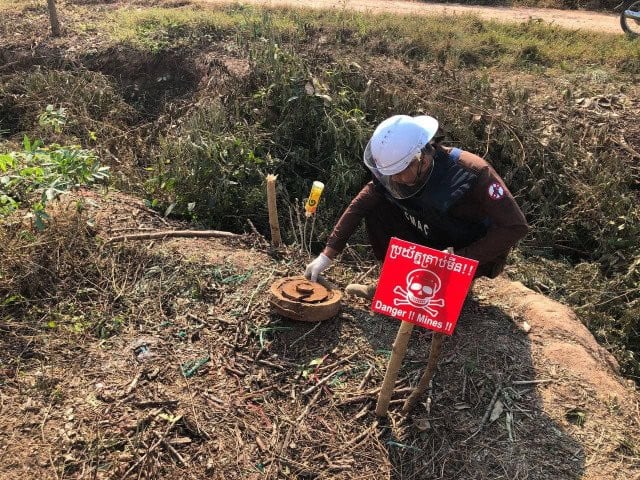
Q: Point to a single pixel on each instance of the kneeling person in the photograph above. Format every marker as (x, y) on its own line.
(427, 194)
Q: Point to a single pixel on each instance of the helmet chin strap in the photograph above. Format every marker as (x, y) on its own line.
(419, 172)
(429, 168)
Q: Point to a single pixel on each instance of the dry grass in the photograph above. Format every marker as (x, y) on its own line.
(83, 402)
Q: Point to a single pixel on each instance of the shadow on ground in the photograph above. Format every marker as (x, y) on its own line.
(475, 422)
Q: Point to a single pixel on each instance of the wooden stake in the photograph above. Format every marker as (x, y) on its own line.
(423, 384)
(398, 352)
(276, 240)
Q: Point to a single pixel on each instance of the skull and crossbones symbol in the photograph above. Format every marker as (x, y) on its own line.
(422, 286)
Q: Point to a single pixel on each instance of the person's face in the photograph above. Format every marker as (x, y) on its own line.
(410, 175)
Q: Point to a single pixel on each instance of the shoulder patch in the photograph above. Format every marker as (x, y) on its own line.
(454, 154)
(496, 191)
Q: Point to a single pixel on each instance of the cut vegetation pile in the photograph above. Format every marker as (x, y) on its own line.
(190, 108)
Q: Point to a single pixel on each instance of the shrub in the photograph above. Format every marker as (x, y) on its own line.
(39, 174)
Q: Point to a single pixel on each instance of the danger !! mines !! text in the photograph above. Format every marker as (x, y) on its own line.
(401, 314)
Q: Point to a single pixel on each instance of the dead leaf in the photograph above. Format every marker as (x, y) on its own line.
(498, 408)
(261, 444)
(422, 424)
(308, 88)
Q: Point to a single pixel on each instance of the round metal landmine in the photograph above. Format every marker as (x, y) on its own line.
(299, 299)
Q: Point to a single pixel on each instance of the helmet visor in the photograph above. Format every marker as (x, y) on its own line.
(396, 189)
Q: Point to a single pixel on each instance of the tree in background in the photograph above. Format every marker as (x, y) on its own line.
(53, 17)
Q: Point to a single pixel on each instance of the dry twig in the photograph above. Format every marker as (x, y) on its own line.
(487, 413)
(173, 234)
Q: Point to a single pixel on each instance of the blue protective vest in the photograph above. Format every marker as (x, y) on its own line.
(429, 210)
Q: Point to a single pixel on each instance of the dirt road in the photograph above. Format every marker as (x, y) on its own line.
(582, 20)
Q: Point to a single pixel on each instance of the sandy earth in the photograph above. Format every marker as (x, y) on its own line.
(583, 20)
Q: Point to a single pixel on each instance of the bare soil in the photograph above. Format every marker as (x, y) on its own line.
(574, 19)
(505, 403)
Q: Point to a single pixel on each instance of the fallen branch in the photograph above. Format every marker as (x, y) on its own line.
(173, 234)
(7, 65)
(308, 407)
(299, 339)
(366, 396)
(356, 399)
(532, 382)
(285, 443)
(257, 392)
(172, 450)
(332, 366)
(366, 378)
(235, 371)
(364, 275)
(623, 143)
(157, 403)
(258, 288)
(146, 454)
(487, 413)
(361, 436)
(271, 364)
(320, 382)
(341, 464)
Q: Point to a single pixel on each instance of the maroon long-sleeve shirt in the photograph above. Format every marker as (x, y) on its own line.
(489, 201)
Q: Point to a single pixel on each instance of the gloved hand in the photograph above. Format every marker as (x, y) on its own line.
(315, 268)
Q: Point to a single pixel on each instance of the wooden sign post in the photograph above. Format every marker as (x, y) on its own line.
(425, 287)
(398, 351)
(434, 353)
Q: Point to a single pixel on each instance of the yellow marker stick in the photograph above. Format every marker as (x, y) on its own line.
(314, 198)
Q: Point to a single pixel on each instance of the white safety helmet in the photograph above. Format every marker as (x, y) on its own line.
(394, 144)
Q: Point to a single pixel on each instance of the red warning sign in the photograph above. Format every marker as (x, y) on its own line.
(423, 286)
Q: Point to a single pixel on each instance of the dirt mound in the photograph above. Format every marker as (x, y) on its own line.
(562, 338)
(578, 380)
(202, 379)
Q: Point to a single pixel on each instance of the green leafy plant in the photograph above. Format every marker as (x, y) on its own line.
(53, 119)
(262, 332)
(39, 174)
(312, 366)
(227, 275)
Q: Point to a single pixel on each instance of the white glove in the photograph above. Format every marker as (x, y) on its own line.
(315, 268)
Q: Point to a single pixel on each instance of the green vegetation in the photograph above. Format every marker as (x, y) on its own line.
(457, 41)
(197, 106)
(45, 171)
